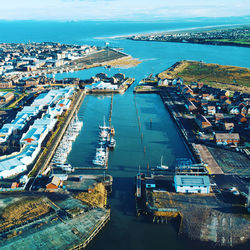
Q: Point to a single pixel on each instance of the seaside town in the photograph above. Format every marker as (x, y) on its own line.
(239, 36)
(49, 204)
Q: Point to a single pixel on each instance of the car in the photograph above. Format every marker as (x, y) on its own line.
(232, 189)
(236, 192)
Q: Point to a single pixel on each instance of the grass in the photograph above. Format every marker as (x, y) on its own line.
(23, 210)
(97, 198)
(215, 75)
(13, 105)
(243, 41)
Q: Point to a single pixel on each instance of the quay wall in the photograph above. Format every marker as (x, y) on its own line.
(180, 128)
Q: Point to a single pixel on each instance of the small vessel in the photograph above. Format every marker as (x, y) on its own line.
(103, 133)
(104, 125)
(99, 162)
(112, 143)
(112, 131)
(162, 167)
(66, 167)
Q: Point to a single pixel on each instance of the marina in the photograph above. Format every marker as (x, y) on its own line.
(144, 133)
(60, 157)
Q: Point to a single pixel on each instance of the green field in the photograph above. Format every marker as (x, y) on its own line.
(243, 41)
(226, 77)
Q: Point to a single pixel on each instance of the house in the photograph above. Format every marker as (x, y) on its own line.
(31, 82)
(233, 110)
(192, 184)
(228, 126)
(190, 106)
(5, 97)
(211, 110)
(186, 89)
(54, 183)
(5, 84)
(241, 118)
(202, 122)
(218, 117)
(227, 138)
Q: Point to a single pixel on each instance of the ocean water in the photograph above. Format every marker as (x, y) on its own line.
(137, 145)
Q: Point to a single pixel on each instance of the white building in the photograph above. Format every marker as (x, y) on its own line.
(192, 184)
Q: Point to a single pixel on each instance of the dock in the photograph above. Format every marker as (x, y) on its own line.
(104, 220)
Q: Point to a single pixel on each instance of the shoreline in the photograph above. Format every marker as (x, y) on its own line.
(172, 31)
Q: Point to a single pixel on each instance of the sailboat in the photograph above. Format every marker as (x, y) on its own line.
(162, 167)
(104, 127)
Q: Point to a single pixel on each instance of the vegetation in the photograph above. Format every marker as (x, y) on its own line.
(124, 62)
(23, 210)
(215, 75)
(96, 198)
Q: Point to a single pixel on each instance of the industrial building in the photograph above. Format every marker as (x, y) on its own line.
(192, 184)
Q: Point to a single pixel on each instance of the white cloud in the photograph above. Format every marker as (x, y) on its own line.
(119, 9)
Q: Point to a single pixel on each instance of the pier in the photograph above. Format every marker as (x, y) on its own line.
(175, 116)
(98, 227)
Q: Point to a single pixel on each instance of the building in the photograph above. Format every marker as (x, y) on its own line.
(31, 82)
(54, 183)
(202, 122)
(211, 110)
(150, 183)
(5, 97)
(218, 117)
(226, 138)
(190, 106)
(192, 184)
(228, 126)
(5, 84)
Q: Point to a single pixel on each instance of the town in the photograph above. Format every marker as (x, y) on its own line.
(40, 123)
(223, 36)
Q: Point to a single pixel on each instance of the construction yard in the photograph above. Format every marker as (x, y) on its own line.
(53, 220)
(204, 217)
(231, 162)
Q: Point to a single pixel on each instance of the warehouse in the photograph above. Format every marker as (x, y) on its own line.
(192, 184)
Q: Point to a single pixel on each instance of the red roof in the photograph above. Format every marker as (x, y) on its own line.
(29, 140)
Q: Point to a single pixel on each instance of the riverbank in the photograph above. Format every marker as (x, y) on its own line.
(218, 76)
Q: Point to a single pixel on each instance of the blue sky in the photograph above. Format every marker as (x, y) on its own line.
(119, 9)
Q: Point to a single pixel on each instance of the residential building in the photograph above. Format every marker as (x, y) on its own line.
(227, 138)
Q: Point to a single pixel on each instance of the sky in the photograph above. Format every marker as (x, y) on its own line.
(120, 9)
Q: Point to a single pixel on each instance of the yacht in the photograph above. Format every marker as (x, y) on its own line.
(162, 167)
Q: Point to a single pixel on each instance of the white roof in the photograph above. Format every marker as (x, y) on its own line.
(191, 180)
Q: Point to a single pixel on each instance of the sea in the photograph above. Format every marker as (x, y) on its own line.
(145, 131)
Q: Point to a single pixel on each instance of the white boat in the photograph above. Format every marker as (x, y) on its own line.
(103, 134)
(112, 143)
(66, 167)
(99, 162)
(162, 167)
(104, 127)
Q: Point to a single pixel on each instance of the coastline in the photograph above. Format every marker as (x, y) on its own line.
(173, 31)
